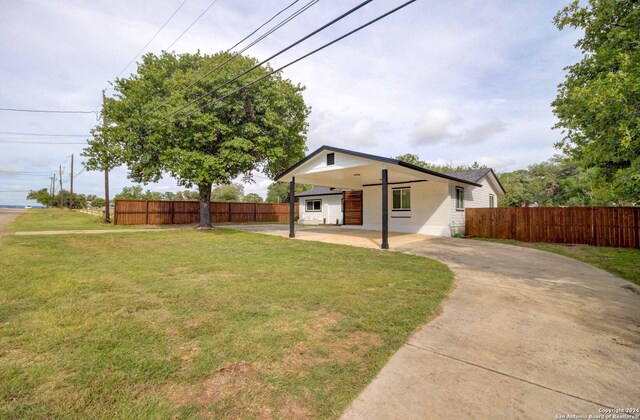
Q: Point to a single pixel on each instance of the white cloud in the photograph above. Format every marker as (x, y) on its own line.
(455, 80)
(435, 127)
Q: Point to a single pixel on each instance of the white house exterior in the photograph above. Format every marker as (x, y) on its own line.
(320, 205)
(418, 200)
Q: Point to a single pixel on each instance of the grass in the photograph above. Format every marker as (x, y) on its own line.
(622, 262)
(190, 323)
(61, 219)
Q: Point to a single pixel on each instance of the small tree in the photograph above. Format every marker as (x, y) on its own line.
(42, 196)
(253, 198)
(278, 192)
(230, 192)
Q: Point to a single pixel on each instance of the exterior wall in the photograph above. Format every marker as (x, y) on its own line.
(474, 197)
(342, 161)
(429, 209)
(331, 210)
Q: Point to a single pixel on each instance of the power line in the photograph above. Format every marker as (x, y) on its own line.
(152, 38)
(47, 111)
(323, 27)
(263, 25)
(23, 172)
(262, 37)
(44, 134)
(192, 23)
(297, 60)
(42, 142)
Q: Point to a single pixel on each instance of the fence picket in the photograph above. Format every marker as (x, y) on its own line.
(600, 226)
(140, 212)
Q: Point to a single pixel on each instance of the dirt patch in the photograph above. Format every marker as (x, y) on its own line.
(237, 383)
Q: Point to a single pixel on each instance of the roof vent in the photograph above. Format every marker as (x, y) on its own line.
(331, 158)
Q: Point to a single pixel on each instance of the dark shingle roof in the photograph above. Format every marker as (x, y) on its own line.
(472, 175)
(320, 191)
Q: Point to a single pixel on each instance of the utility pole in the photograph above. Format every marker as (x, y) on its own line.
(107, 216)
(71, 187)
(52, 188)
(61, 196)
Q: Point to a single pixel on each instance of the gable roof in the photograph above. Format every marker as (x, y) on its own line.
(475, 175)
(320, 191)
(378, 159)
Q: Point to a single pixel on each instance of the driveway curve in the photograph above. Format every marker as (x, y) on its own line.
(524, 334)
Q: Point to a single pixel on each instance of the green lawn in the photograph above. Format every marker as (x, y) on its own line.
(200, 323)
(60, 219)
(622, 262)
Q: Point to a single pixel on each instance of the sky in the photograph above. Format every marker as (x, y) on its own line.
(453, 82)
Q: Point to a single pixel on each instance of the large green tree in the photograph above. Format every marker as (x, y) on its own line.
(598, 104)
(262, 127)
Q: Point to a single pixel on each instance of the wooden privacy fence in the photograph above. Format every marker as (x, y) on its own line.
(601, 226)
(143, 212)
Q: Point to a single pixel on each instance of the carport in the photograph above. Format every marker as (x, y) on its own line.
(349, 170)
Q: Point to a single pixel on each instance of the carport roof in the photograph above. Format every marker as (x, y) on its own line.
(375, 158)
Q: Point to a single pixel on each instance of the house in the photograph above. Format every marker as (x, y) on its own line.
(379, 193)
(321, 205)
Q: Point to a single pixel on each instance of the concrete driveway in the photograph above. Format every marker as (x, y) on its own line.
(7, 216)
(524, 334)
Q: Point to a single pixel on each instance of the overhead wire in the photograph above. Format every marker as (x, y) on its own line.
(323, 27)
(152, 38)
(44, 134)
(392, 11)
(47, 111)
(41, 142)
(262, 37)
(192, 23)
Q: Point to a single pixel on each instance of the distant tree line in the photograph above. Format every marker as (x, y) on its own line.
(228, 192)
(74, 201)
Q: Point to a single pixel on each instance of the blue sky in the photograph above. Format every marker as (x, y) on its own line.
(455, 81)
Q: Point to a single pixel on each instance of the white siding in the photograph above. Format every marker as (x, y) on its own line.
(429, 209)
(342, 161)
(331, 210)
(474, 197)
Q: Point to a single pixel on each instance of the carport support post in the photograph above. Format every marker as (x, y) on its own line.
(385, 211)
(292, 203)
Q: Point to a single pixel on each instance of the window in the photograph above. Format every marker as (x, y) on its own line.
(459, 198)
(492, 201)
(313, 205)
(331, 158)
(401, 199)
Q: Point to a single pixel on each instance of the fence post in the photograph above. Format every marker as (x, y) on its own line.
(255, 212)
(594, 235)
(171, 209)
(115, 212)
(229, 212)
(147, 214)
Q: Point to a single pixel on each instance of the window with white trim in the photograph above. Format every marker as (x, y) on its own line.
(492, 200)
(313, 205)
(401, 199)
(459, 198)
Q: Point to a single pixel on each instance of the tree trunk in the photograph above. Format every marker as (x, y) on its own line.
(205, 204)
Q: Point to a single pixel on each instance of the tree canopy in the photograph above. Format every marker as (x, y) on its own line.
(262, 127)
(599, 101)
(278, 192)
(252, 198)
